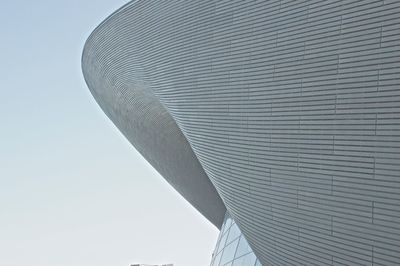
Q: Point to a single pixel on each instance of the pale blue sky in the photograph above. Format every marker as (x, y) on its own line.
(73, 191)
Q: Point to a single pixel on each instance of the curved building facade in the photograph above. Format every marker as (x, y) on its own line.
(284, 113)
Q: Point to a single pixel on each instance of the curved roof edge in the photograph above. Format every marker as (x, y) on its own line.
(123, 93)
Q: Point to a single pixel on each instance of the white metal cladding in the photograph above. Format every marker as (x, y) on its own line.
(291, 107)
(122, 92)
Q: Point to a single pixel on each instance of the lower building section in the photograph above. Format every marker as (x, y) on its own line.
(232, 248)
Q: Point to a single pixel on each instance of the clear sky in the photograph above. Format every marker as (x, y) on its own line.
(73, 191)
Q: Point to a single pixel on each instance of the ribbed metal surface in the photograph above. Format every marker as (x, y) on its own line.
(292, 108)
(120, 88)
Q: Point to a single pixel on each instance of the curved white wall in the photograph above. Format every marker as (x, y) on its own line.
(291, 107)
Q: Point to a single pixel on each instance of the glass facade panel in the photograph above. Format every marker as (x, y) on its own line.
(250, 259)
(232, 248)
(243, 247)
(217, 259)
(246, 260)
(238, 262)
(229, 252)
(227, 223)
(234, 233)
(222, 242)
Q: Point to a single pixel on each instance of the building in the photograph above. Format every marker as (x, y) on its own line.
(282, 116)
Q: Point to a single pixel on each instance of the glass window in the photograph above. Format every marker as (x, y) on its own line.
(243, 247)
(249, 259)
(227, 223)
(234, 232)
(222, 242)
(218, 241)
(238, 262)
(217, 259)
(229, 252)
(232, 248)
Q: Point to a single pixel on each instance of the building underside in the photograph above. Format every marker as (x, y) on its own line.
(286, 114)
